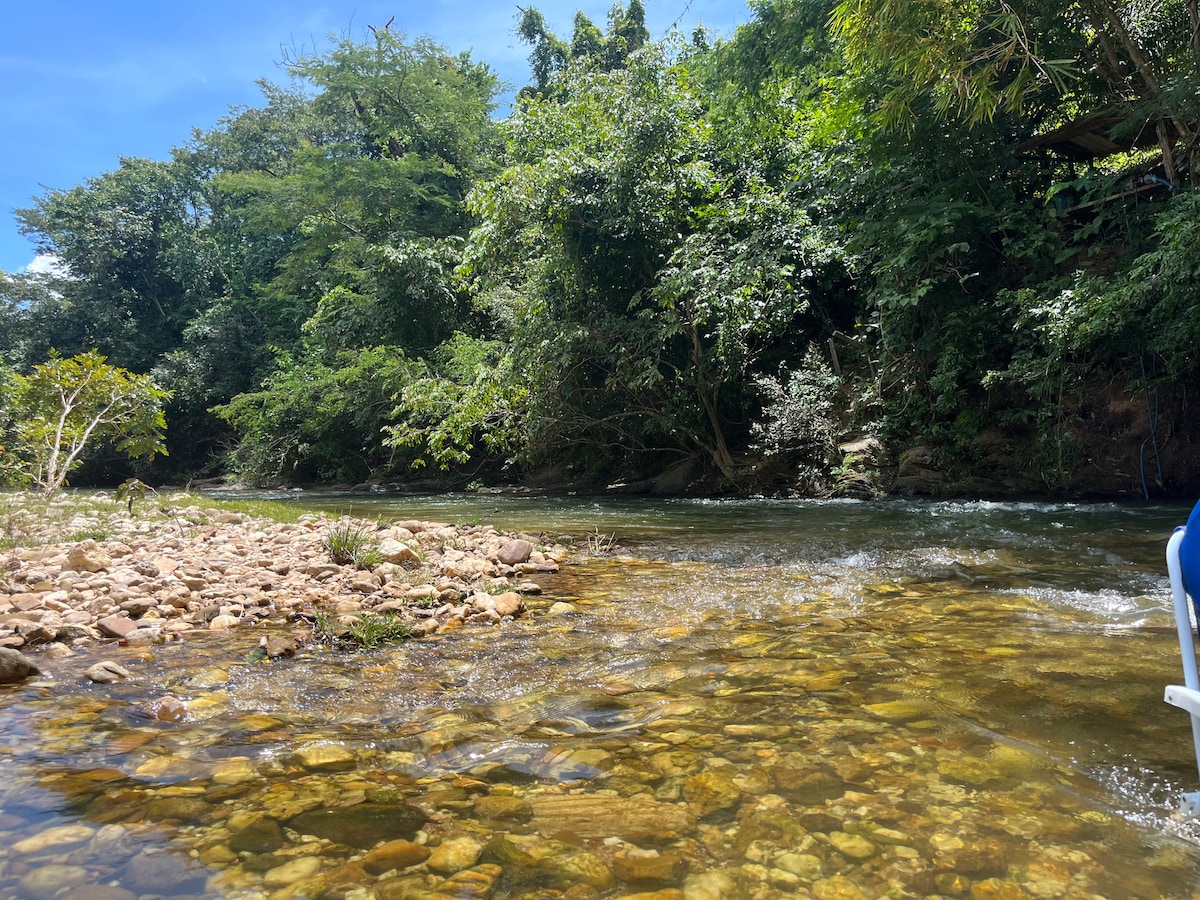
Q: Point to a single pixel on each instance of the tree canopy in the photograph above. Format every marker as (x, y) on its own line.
(966, 228)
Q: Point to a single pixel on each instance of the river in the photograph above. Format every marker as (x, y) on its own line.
(730, 699)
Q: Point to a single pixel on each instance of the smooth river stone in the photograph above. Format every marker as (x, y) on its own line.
(291, 872)
(634, 820)
(454, 856)
(46, 882)
(107, 672)
(711, 792)
(805, 865)
(899, 710)
(854, 846)
(578, 867)
(512, 809)
(326, 758)
(665, 868)
(394, 855)
(263, 835)
(515, 551)
(234, 770)
(477, 882)
(362, 826)
(55, 839)
(163, 874)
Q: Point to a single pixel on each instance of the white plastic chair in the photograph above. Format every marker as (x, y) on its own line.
(1183, 567)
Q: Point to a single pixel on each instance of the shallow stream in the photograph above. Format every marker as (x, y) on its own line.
(738, 699)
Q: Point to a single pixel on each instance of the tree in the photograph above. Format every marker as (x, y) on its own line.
(319, 418)
(650, 272)
(10, 462)
(138, 266)
(551, 56)
(978, 58)
(64, 406)
(345, 198)
(32, 319)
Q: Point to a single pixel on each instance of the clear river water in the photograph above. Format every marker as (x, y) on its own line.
(710, 699)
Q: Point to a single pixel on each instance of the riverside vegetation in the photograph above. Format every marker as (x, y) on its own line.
(851, 248)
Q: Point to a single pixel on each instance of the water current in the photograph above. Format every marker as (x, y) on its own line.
(726, 699)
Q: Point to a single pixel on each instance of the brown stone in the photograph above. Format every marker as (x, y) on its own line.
(26, 602)
(397, 854)
(87, 557)
(808, 786)
(361, 826)
(632, 819)
(514, 552)
(665, 868)
(107, 672)
(512, 809)
(118, 627)
(188, 810)
(167, 709)
(139, 606)
(509, 604)
(261, 836)
(454, 855)
(279, 646)
(477, 882)
(712, 792)
(395, 552)
(15, 666)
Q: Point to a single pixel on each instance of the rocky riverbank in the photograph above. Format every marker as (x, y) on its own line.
(83, 571)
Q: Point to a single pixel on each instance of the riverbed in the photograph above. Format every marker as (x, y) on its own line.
(710, 699)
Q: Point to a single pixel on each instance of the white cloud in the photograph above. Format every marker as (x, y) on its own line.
(46, 264)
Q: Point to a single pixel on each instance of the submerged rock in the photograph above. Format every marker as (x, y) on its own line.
(712, 792)
(398, 854)
(261, 836)
(632, 819)
(326, 758)
(454, 856)
(47, 882)
(362, 826)
(164, 874)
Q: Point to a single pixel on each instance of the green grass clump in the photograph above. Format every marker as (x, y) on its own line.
(275, 510)
(92, 534)
(348, 543)
(369, 632)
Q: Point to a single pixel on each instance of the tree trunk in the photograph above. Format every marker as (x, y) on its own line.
(708, 398)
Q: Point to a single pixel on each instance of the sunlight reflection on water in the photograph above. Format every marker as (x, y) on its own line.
(925, 677)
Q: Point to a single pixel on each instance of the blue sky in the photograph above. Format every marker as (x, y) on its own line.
(83, 83)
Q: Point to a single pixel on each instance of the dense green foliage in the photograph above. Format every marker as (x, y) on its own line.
(62, 406)
(846, 220)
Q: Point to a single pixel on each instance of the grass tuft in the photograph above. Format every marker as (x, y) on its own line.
(275, 510)
(368, 632)
(348, 543)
